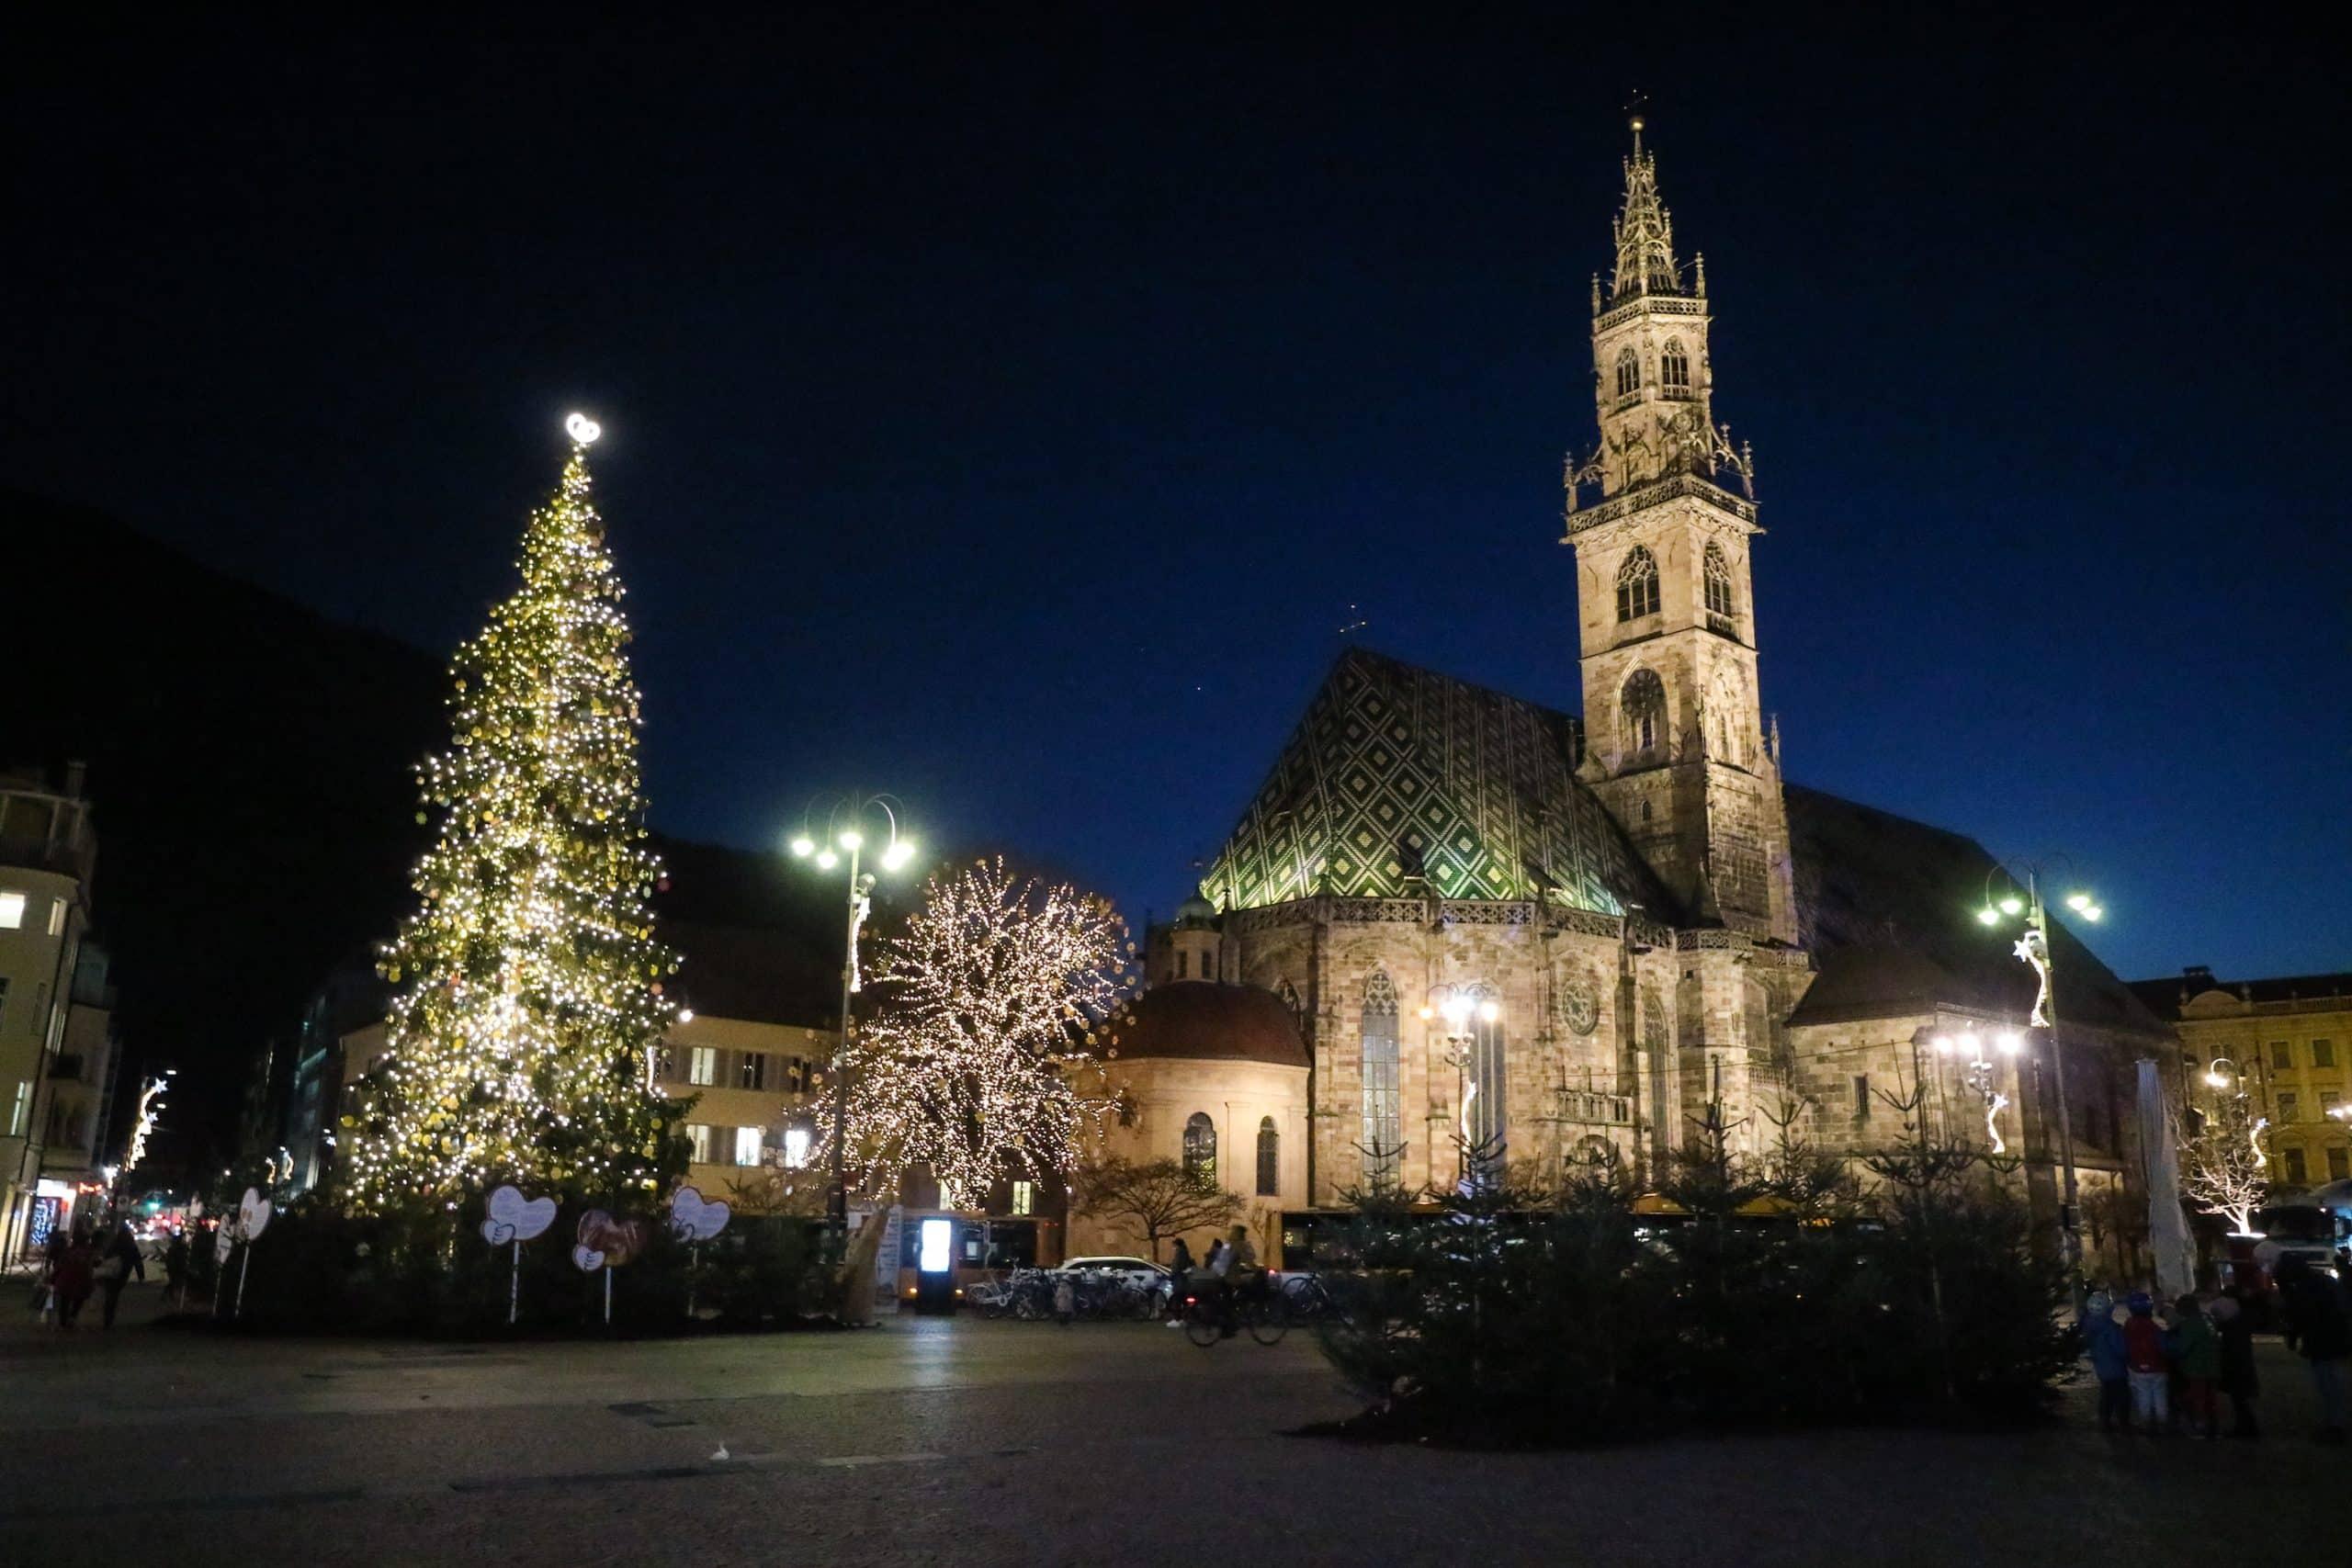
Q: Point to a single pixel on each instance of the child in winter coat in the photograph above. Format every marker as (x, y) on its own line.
(2143, 1356)
(2103, 1344)
(2200, 1355)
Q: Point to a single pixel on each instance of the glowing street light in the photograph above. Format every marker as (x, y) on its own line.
(846, 830)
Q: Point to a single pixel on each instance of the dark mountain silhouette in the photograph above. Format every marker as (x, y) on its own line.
(251, 765)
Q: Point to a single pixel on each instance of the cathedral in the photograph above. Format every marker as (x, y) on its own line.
(1456, 928)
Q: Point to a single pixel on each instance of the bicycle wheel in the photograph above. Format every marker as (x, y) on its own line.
(1201, 1326)
(1269, 1320)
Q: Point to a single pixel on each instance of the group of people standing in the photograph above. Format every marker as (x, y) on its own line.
(2166, 1369)
(77, 1265)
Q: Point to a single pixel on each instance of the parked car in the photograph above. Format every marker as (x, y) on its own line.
(1140, 1273)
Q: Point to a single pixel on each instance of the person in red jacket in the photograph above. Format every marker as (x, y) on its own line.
(2143, 1355)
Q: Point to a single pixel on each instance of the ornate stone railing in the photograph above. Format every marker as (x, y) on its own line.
(1664, 489)
(1588, 1108)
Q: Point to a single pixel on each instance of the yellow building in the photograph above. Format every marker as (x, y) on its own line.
(2287, 1040)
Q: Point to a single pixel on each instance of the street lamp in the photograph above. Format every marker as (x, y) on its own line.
(2033, 950)
(2215, 1077)
(846, 835)
(1982, 1072)
(1459, 1008)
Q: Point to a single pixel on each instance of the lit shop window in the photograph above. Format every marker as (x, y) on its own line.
(12, 912)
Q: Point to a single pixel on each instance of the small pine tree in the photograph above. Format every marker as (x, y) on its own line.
(529, 984)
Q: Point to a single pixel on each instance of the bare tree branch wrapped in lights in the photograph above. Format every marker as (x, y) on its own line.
(980, 1061)
(2222, 1168)
(529, 984)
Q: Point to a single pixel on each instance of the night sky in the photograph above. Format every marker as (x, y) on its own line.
(1010, 415)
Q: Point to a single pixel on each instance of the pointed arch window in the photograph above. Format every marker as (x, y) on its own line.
(1717, 572)
(1629, 372)
(1270, 1159)
(1674, 368)
(1641, 711)
(1487, 1071)
(1200, 1146)
(1637, 584)
(1382, 1099)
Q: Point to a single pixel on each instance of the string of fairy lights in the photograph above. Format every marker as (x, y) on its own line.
(528, 983)
(981, 1062)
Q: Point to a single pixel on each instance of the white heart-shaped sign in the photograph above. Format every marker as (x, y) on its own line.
(694, 1217)
(587, 1258)
(224, 1241)
(525, 1218)
(496, 1234)
(253, 1214)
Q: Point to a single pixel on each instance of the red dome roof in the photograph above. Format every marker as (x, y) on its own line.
(1211, 1022)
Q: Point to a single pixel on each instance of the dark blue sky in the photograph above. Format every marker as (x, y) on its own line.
(1009, 415)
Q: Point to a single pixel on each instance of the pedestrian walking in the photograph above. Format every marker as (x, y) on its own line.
(2234, 1323)
(2145, 1361)
(1065, 1301)
(2319, 1325)
(176, 1269)
(115, 1269)
(2103, 1344)
(74, 1277)
(1179, 1281)
(2198, 1359)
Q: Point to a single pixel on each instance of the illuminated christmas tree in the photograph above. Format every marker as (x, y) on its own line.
(980, 1063)
(527, 988)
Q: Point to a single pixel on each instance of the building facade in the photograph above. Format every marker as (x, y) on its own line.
(48, 853)
(2285, 1042)
(1510, 937)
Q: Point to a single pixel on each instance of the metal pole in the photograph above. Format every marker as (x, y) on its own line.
(837, 1201)
(514, 1286)
(242, 1268)
(2067, 1208)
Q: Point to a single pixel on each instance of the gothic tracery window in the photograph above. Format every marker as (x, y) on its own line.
(1718, 579)
(1383, 1101)
(1637, 584)
(1200, 1145)
(1489, 1070)
(1629, 372)
(1641, 710)
(1674, 368)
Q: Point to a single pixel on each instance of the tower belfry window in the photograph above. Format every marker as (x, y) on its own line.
(1642, 710)
(1637, 584)
(1629, 372)
(1674, 368)
(1718, 579)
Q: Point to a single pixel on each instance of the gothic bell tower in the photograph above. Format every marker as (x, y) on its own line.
(1674, 738)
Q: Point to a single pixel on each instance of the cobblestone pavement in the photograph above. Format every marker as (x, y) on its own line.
(984, 1442)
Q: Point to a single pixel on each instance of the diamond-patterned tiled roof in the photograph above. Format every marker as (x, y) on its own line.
(1400, 782)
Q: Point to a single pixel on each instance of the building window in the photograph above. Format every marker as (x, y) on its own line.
(57, 917)
(698, 1135)
(12, 912)
(1383, 1098)
(2298, 1173)
(2280, 1056)
(2287, 1109)
(1629, 372)
(1489, 1124)
(754, 1071)
(1200, 1145)
(2339, 1162)
(1861, 1094)
(702, 1066)
(4, 1005)
(1718, 576)
(1270, 1159)
(747, 1146)
(1641, 710)
(1637, 584)
(2323, 1053)
(1674, 368)
(795, 1148)
(1025, 1197)
(20, 1110)
(1182, 960)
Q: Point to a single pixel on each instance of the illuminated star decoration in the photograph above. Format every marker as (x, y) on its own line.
(529, 984)
(980, 1062)
(2030, 949)
(151, 1107)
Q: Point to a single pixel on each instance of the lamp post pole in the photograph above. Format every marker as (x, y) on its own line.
(846, 838)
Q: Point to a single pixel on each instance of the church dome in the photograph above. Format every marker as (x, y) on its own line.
(1206, 1023)
(1195, 911)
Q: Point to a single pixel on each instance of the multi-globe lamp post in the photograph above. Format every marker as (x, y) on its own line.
(1982, 1073)
(845, 841)
(1459, 1008)
(2032, 949)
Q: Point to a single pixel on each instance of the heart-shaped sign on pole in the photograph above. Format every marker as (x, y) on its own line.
(606, 1243)
(513, 1218)
(695, 1220)
(252, 1218)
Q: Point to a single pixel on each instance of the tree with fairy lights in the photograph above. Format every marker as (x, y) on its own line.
(979, 1063)
(2223, 1171)
(529, 984)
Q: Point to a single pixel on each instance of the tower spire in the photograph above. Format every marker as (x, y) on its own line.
(1645, 233)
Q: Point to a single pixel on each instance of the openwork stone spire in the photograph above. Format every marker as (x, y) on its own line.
(1645, 233)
